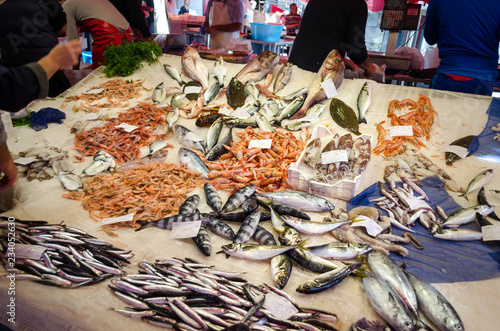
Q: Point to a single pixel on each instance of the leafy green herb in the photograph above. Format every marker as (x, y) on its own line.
(130, 81)
(123, 60)
(21, 121)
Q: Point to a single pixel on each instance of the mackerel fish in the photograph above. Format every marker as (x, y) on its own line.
(311, 227)
(435, 306)
(299, 200)
(247, 228)
(291, 109)
(254, 251)
(189, 205)
(387, 303)
(202, 241)
(212, 197)
(466, 215)
(219, 148)
(340, 250)
(211, 93)
(326, 280)
(478, 181)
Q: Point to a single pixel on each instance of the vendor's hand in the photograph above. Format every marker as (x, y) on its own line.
(61, 56)
(210, 29)
(7, 167)
(368, 73)
(349, 64)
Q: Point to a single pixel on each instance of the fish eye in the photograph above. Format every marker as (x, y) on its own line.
(408, 324)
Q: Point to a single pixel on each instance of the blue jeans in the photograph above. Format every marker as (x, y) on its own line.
(442, 81)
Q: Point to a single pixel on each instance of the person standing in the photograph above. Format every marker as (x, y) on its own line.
(184, 8)
(21, 85)
(28, 32)
(328, 25)
(171, 7)
(292, 20)
(467, 34)
(102, 20)
(223, 21)
(132, 11)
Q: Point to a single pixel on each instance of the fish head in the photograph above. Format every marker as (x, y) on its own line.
(452, 323)
(290, 236)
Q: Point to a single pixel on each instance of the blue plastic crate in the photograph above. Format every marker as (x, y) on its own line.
(266, 32)
(87, 57)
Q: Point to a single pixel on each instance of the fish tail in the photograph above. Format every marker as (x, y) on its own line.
(143, 224)
(464, 195)
(362, 120)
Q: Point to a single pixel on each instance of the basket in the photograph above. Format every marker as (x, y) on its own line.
(344, 189)
(266, 32)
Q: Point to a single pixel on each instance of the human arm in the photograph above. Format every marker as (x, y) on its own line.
(232, 27)
(354, 41)
(431, 25)
(7, 166)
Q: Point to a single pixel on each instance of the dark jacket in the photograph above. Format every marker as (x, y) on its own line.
(132, 11)
(27, 31)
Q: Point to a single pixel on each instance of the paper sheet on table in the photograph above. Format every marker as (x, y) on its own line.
(484, 145)
(441, 261)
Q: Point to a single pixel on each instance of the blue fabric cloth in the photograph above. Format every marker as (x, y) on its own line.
(442, 81)
(484, 146)
(467, 34)
(441, 261)
(40, 120)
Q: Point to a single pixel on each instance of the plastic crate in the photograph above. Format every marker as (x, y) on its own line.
(87, 57)
(266, 32)
(344, 189)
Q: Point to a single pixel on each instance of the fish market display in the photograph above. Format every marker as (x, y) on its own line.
(44, 163)
(119, 143)
(202, 298)
(194, 68)
(332, 68)
(265, 167)
(258, 67)
(72, 258)
(417, 114)
(117, 92)
(149, 192)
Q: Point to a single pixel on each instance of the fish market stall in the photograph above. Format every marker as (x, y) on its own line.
(466, 273)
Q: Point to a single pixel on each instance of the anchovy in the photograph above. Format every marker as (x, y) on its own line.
(236, 199)
(387, 303)
(189, 139)
(212, 197)
(300, 200)
(202, 240)
(478, 181)
(435, 306)
(174, 73)
(467, 215)
(388, 270)
(221, 228)
(247, 228)
(193, 162)
(190, 204)
(340, 250)
(326, 280)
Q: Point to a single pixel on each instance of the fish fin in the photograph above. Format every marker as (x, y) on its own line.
(464, 195)
(143, 224)
(362, 121)
(303, 243)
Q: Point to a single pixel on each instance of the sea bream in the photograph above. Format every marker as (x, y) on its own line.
(193, 162)
(332, 68)
(189, 139)
(258, 67)
(194, 68)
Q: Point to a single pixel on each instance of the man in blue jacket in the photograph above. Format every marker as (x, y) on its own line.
(467, 34)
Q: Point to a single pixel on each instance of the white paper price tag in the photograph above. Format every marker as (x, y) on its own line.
(94, 91)
(90, 116)
(263, 143)
(416, 203)
(309, 118)
(192, 89)
(334, 156)
(372, 228)
(490, 232)
(219, 70)
(182, 230)
(459, 150)
(112, 220)
(329, 88)
(25, 160)
(192, 136)
(401, 131)
(126, 127)
(225, 111)
(33, 252)
(279, 306)
(241, 113)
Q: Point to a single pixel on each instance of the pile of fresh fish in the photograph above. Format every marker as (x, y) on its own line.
(399, 297)
(356, 158)
(67, 257)
(186, 295)
(44, 163)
